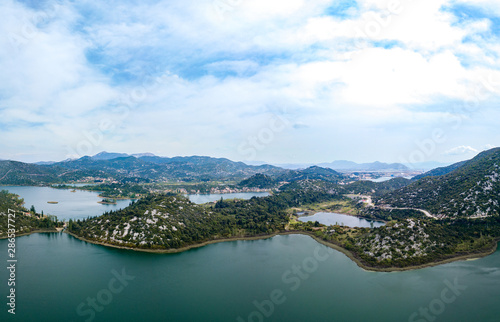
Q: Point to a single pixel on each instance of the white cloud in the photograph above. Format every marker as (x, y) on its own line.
(225, 76)
(461, 150)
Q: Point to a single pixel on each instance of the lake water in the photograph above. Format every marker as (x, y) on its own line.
(57, 273)
(75, 205)
(82, 204)
(200, 199)
(329, 218)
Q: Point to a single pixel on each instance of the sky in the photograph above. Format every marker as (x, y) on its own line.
(277, 81)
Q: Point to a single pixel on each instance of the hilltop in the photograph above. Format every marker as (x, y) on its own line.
(470, 189)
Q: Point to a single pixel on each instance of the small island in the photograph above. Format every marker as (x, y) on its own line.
(107, 201)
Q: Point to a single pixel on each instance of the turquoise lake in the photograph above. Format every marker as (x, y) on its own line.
(204, 198)
(330, 218)
(71, 205)
(284, 278)
(57, 273)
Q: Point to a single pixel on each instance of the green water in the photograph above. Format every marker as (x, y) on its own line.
(71, 205)
(199, 199)
(220, 282)
(331, 218)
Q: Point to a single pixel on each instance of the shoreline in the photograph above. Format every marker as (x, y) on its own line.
(314, 212)
(37, 231)
(352, 256)
(107, 203)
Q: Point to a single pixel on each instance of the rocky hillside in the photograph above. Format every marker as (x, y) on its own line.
(472, 190)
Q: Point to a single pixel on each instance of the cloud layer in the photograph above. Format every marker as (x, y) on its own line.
(346, 80)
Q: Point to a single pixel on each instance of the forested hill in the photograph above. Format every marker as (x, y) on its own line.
(440, 171)
(471, 190)
(168, 221)
(144, 169)
(19, 220)
(375, 188)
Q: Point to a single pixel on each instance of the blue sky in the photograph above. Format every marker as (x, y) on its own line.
(277, 81)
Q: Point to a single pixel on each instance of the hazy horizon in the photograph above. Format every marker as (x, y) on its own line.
(249, 162)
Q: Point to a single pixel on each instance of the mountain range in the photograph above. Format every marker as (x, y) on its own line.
(349, 166)
(344, 165)
(468, 189)
(149, 168)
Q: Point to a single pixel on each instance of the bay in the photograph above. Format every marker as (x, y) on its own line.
(70, 205)
(230, 281)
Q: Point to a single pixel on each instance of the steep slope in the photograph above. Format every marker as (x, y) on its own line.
(439, 171)
(167, 221)
(375, 188)
(19, 173)
(258, 180)
(154, 168)
(311, 173)
(109, 156)
(472, 190)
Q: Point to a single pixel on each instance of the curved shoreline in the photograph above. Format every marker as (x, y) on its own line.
(344, 251)
(352, 256)
(37, 231)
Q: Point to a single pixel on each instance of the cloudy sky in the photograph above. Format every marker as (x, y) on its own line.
(283, 81)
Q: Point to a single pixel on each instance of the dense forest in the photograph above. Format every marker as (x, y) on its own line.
(24, 221)
(472, 190)
(172, 221)
(464, 196)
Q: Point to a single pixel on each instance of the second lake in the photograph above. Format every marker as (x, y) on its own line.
(330, 218)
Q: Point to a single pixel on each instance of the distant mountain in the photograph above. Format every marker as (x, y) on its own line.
(108, 156)
(125, 168)
(341, 165)
(13, 172)
(311, 173)
(112, 155)
(471, 189)
(344, 165)
(138, 155)
(426, 166)
(45, 162)
(440, 171)
(19, 173)
(375, 188)
(258, 180)
(154, 168)
(293, 166)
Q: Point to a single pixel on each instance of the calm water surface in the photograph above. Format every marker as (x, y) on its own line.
(56, 274)
(228, 281)
(199, 199)
(330, 218)
(74, 205)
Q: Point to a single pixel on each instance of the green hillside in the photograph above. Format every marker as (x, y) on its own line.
(471, 190)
